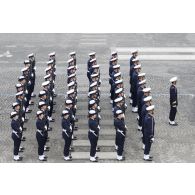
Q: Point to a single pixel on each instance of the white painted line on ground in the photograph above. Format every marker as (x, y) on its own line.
(94, 43)
(159, 57)
(155, 49)
(28, 46)
(10, 46)
(92, 40)
(94, 35)
(4, 62)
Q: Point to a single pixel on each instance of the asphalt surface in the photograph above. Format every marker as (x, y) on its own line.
(172, 144)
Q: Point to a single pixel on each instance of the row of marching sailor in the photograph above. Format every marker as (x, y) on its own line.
(93, 74)
(69, 113)
(24, 93)
(141, 99)
(45, 105)
(119, 106)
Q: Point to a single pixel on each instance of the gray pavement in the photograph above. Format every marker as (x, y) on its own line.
(172, 144)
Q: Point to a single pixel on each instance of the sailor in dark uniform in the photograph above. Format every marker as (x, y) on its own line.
(147, 102)
(73, 55)
(149, 125)
(66, 134)
(137, 69)
(173, 102)
(134, 55)
(121, 128)
(93, 134)
(41, 134)
(16, 134)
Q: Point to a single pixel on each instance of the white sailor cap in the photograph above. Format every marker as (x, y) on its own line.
(93, 84)
(148, 98)
(113, 59)
(64, 112)
(31, 55)
(135, 59)
(50, 62)
(72, 53)
(70, 91)
(14, 113)
(96, 66)
(114, 53)
(141, 74)
(72, 75)
(173, 79)
(42, 93)
(134, 51)
(93, 60)
(119, 81)
(119, 90)
(52, 54)
(118, 99)
(26, 62)
(142, 82)
(116, 66)
(18, 85)
(47, 69)
(71, 84)
(19, 93)
(92, 112)
(91, 102)
(15, 104)
(92, 53)
(24, 69)
(92, 92)
(150, 108)
(47, 76)
(94, 75)
(117, 74)
(137, 66)
(70, 60)
(147, 89)
(21, 78)
(39, 112)
(70, 67)
(68, 101)
(118, 112)
(45, 83)
(42, 103)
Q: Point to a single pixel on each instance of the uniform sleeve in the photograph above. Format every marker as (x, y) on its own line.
(148, 128)
(40, 125)
(15, 126)
(65, 125)
(173, 96)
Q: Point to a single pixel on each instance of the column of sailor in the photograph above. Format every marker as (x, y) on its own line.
(117, 100)
(141, 100)
(24, 95)
(69, 113)
(94, 118)
(45, 106)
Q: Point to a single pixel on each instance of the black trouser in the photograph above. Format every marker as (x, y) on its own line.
(88, 75)
(41, 143)
(93, 141)
(67, 138)
(172, 113)
(147, 146)
(17, 141)
(139, 114)
(120, 142)
(134, 97)
(51, 109)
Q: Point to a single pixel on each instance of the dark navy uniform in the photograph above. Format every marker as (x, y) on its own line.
(149, 125)
(67, 135)
(134, 88)
(120, 135)
(93, 135)
(16, 135)
(173, 102)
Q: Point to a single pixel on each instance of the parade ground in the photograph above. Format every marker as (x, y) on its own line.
(163, 56)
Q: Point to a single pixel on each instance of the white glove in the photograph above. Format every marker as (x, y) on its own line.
(152, 140)
(23, 119)
(29, 82)
(35, 68)
(26, 91)
(49, 107)
(20, 128)
(45, 127)
(32, 75)
(50, 98)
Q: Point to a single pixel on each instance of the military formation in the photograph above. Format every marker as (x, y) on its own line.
(139, 96)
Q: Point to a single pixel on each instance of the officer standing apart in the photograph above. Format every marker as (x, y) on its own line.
(173, 102)
(149, 125)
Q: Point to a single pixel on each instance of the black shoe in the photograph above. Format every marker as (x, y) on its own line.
(29, 111)
(46, 149)
(123, 158)
(21, 149)
(53, 120)
(34, 95)
(50, 129)
(71, 149)
(76, 120)
(23, 139)
(176, 124)
(24, 129)
(70, 156)
(74, 138)
(26, 120)
(150, 159)
(54, 95)
(45, 159)
(20, 159)
(32, 103)
(97, 149)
